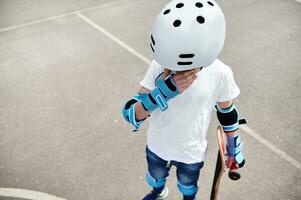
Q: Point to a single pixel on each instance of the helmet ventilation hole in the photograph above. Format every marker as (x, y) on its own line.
(200, 19)
(166, 11)
(189, 55)
(198, 4)
(184, 63)
(179, 5)
(152, 47)
(153, 40)
(177, 23)
(210, 3)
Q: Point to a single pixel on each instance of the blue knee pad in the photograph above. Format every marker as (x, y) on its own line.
(187, 190)
(154, 182)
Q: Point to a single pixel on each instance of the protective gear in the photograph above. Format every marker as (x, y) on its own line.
(154, 182)
(234, 147)
(128, 112)
(188, 34)
(228, 117)
(165, 90)
(187, 190)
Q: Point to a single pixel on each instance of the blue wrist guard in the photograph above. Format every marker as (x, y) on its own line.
(165, 90)
(128, 112)
(228, 117)
(234, 147)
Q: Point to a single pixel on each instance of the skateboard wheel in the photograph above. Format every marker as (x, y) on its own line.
(234, 175)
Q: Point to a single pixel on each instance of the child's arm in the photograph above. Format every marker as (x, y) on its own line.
(182, 80)
(137, 109)
(141, 113)
(229, 118)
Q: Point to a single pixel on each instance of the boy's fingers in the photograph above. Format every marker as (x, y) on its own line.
(187, 74)
(184, 85)
(190, 81)
(185, 78)
(182, 80)
(181, 77)
(166, 73)
(194, 71)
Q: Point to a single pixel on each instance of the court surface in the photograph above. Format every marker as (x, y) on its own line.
(67, 67)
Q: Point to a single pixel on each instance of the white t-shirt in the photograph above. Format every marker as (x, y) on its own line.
(180, 132)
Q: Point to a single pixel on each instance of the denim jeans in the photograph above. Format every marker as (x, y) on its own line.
(187, 174)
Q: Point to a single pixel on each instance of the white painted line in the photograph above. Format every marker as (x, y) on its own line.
(104, 6)
(248, 130)
(273, 148)
(62, 15)
(35, 22)
(112, 37)
(70, 13)
(27, 194)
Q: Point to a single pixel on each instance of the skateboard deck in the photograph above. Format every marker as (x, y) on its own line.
(220, 166)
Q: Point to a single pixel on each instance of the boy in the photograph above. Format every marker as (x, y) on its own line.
(179, 91)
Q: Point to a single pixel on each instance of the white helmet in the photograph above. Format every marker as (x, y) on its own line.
(188, 34)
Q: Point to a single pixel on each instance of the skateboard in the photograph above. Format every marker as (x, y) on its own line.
(223, 162)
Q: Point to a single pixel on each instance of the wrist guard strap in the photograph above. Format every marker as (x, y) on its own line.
(165, 90)
(168, 87)
(128, 112)
(234, 147)
(228, 117)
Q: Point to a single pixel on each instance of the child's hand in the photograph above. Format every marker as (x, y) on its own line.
(183, 79)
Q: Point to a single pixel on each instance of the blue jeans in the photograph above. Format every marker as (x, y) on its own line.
(187, 174)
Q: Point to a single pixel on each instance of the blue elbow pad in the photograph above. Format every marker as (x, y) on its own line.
(228, 117)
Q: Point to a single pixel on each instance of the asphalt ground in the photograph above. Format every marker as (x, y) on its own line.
(67, 67)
